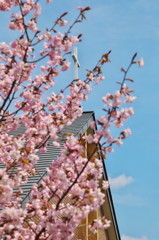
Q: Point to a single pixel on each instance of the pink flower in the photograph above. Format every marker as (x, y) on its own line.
(141, 62)
(65, 66)
(110, 149)
(93, 124)
(63, 23)
(56, 144)
(43, 150)
(100, 223)
(127, 132)
(80, 8)
(12, 26)
(99, 79)
(105, 185)
(118, 142)
(89, 138)
(130, 99)
(32, 26)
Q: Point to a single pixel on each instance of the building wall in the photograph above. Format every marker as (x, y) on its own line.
(83, 233)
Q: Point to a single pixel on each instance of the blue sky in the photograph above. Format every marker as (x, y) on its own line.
(125, 27)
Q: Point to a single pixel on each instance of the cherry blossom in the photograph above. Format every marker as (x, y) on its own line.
(72, 187)
(141, 62)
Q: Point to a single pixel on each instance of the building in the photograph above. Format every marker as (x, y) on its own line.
(79, 127)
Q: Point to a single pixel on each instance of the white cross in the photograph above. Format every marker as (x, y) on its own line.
(76, 62)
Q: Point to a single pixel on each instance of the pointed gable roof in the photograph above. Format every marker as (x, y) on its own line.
(77, 128)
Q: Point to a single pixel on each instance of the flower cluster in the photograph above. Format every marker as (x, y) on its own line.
(99, 223)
